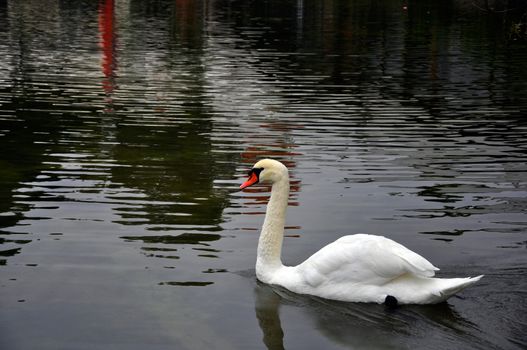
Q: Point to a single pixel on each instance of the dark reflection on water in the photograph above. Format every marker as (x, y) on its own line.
(126, 127)
(360, 325)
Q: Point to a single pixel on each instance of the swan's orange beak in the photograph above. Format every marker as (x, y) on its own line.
(253, 178)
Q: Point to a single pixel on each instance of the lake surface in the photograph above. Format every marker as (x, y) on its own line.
(127, 126)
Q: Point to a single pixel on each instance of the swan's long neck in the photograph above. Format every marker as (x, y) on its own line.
(272, 235)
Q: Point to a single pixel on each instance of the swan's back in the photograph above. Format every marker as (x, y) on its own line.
(363, 258)
(366, 268)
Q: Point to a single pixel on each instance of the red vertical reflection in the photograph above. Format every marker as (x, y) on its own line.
(187, 22)
(107, 43)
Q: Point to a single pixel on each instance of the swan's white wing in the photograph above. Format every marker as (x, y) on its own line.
(363, 259)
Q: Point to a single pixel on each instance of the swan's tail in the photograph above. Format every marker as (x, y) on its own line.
(451, 286)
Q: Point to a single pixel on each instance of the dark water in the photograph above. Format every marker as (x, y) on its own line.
(127, 126)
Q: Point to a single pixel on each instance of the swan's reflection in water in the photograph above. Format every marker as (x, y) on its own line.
(357, 325)
(267, 304)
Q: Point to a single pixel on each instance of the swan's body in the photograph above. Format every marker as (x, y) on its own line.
(354, 268)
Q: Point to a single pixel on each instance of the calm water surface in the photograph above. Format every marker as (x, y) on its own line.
(127, 126)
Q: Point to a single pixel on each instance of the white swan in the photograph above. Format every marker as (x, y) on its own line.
(355, 268)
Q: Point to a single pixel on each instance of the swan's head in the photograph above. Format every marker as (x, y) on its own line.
(266, 171)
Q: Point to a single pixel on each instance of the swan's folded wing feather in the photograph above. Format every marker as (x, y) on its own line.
(363, 259)
(415, 263)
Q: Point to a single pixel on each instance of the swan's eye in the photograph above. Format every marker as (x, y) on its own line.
(255, 171)
(254, 177)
